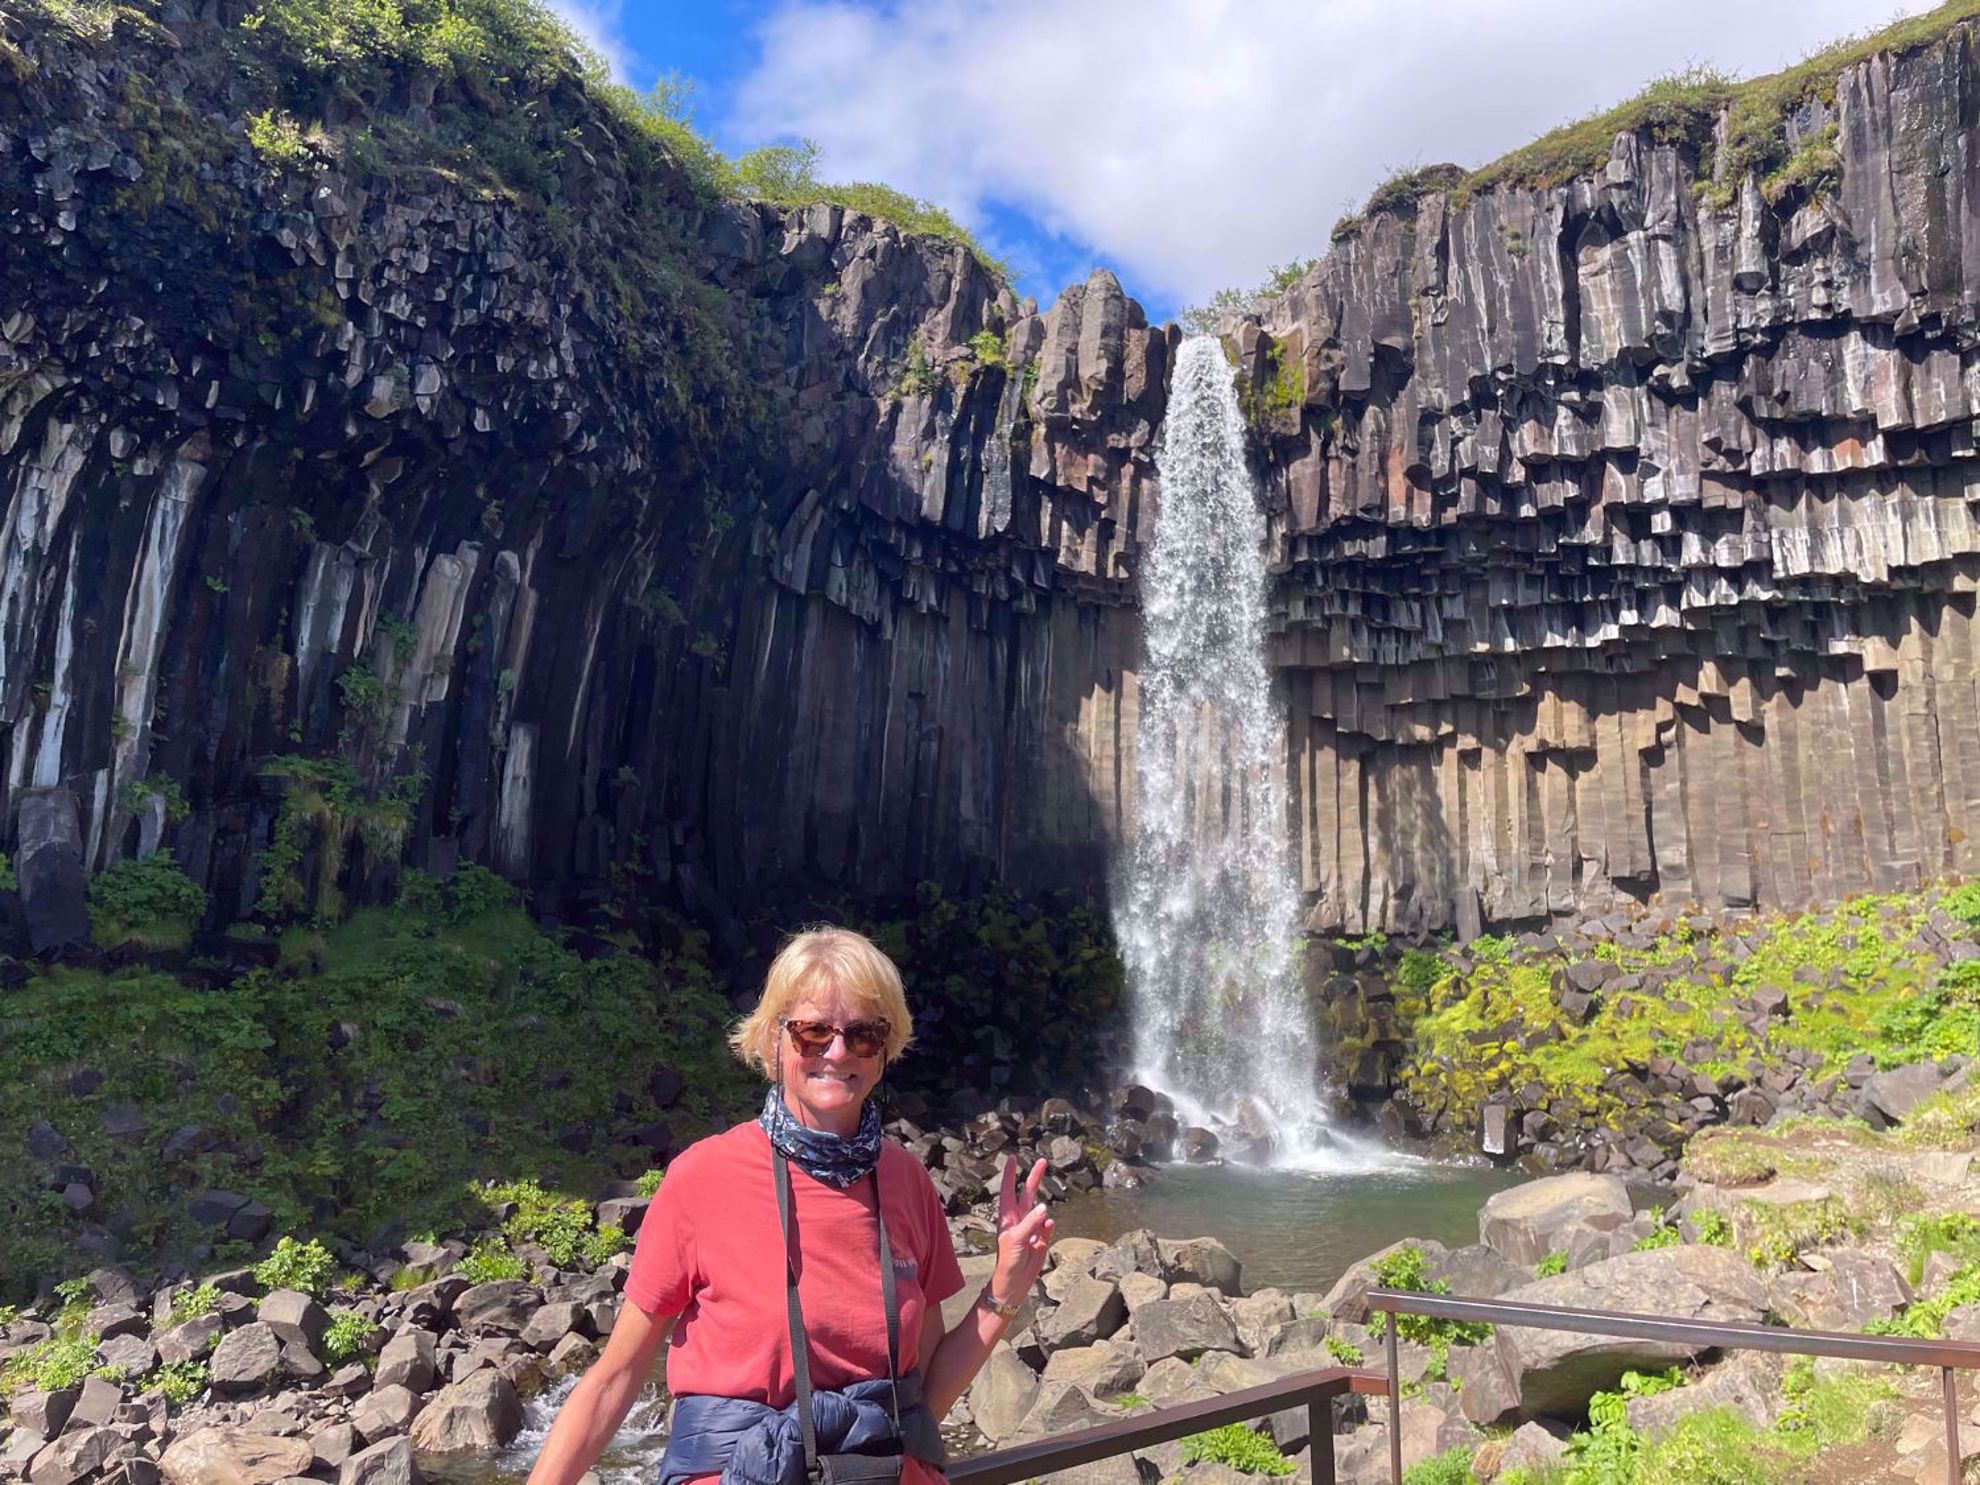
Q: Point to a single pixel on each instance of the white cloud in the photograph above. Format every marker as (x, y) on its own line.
(1194, 143)
(598, 24)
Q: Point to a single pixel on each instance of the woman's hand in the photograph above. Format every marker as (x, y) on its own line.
(1024, 1235)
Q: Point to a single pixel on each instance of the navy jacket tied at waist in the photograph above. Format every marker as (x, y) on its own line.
(752, 1443)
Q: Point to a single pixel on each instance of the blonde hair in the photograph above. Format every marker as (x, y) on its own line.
(820, 960)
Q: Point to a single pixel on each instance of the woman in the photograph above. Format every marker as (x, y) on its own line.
(711, 1267)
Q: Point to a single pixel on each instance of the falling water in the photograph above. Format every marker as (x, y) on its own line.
(1207, 914)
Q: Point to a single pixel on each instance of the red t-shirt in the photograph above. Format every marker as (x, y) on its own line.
(711, 1252)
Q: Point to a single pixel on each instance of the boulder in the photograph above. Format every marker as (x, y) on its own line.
(233, 1456)
(1002, 1394)
(1135, 1252)
(1203, 1261)
(479, 1416)
(1896, 1093)
(293, 1308)
(246, 1360)
(1102, 1369)
(1749, 1384)
(1091, 1311)
(1852, 1287)
(1556, 1372)
(384, 1412)
(44, 1413)
(502, 1307)
(48, 862)
(1488, 1393)
(551, 1324)
(407, 1361)
(1061, 1408)
(1138, 1289)
(1523, 1224)
(389, 1463)
(1184, 1328)
(1075, 1253)
(77, 1455)
(1535, 1447)
(1257, 1317)
(331, 1446)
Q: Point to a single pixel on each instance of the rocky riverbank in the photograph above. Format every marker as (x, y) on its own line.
(356, 1367)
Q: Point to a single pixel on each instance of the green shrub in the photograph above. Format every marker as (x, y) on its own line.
(1550, 1265)
(1241, 1448)
(1662, 1234)
(1345, 1352)
(345, 1336)
(9, 882)
(988, 348)
(1407, 1268)
(308, 1267)
(1452, 1467)
(1927, 1318)
(648, 1182)
(1712, 1228)
(180, 1381)
(490, 1261)
(150, 900)
(203, 1300)
(1490, 948)
(560, 1225)
(1955, 1233)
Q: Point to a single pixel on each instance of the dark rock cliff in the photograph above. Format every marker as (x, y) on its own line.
(387, 514)
(1628, 542)
(391, 516)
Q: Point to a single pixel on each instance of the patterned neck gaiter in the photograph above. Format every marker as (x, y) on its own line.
(835, 1159)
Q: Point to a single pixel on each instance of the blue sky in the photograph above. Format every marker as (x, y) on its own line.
(1186, 144)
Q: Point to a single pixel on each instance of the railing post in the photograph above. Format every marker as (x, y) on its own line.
(1951, 1383)
(1320, 1437)
(1395, 1403)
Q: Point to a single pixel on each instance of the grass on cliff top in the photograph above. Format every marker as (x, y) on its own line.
(1684, 108)
(523, 47)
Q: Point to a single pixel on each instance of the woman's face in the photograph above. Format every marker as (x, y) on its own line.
(825, 1090)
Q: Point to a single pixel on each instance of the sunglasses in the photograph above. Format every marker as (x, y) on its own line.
(863, 1038)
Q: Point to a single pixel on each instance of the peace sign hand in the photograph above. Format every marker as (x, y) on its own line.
(1024, 1235)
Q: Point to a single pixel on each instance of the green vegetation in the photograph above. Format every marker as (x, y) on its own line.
(1408, 1268)
(9, 882)
(648, 1182)
(1551, 1264)
(328, 800)
(559, 1225)
(1712, 1229)
(308, 1267)
(1397, 194)
(345, 1336)
(278, 140)
(381, 1067)
(988, 348)
(1205, 319)
(203, 1300)
(1496, 1027)
(1663, 1233)
(489, 1261)
(1240, 1447)
(139, 793)
(1452, 1467)
(1927, 1317)
(180, 1381)
(66, 1357)
(151, 901)
(1345, 1352)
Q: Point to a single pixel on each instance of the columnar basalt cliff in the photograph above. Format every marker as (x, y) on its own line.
(381, 498)
(384, 513)
(1628, 539)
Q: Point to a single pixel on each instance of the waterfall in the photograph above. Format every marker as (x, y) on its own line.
(1207, 912)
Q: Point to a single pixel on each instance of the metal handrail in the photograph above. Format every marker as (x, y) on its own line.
(1316, 1389)
(1949, 1357)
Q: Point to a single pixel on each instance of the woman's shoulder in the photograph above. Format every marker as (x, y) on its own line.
(897, 1163)
(719, 1151)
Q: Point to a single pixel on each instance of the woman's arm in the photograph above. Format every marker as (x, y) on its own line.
(1024, 1234)
(598, 1404)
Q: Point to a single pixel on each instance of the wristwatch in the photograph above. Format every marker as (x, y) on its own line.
(996, 1307)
